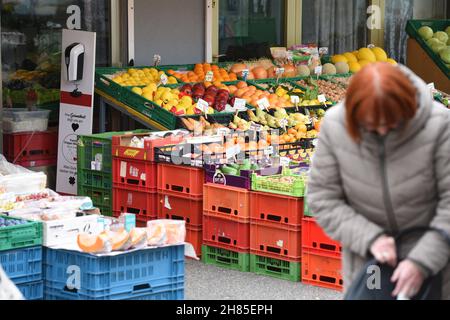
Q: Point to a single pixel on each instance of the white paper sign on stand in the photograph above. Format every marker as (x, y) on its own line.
(77, 98)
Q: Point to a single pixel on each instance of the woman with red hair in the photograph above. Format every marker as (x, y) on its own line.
(382, 166)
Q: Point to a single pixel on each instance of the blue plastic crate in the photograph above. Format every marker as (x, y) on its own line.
(173, 291)
(23, 265)
(125, 276)
(32, 290)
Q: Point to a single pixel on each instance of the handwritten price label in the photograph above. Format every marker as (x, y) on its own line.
(318, 70)
(279, 71)
(164, 79)
(156, 60)
(264, 103)
(209, 77)
(245, 74)
(240, 105)
(295, 100)
(202, 105)
(322, 98)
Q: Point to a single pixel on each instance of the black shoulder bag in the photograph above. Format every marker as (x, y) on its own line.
(359, 290)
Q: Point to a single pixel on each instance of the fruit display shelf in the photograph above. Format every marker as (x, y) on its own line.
(413, 27)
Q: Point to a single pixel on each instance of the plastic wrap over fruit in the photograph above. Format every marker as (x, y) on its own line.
(166, 232)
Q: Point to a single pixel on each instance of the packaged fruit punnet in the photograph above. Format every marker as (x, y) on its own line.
(109, 240)
(166, 232)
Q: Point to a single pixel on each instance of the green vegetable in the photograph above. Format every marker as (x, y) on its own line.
(229, 171)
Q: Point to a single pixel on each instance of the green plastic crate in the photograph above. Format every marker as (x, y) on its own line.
(226, 258)
(280, 269)
(294, 189)
(412, 28)
(101, 198)
(21, 236)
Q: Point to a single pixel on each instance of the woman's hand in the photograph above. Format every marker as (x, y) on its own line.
(409, 279)
(385, 250)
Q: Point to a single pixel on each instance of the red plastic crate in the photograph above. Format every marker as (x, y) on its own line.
(134, 174)
(276, 210)
(315, 240)
(225, 233)
(178, 208)
(142, 204)
(25, 148)
(322, 270)
(227, 202)
(121, 149)
(276, 242)
(38, 163)
(181, 181)
(194, 237)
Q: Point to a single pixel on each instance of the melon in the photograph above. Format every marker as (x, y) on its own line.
(338, 58)
(426, 33)
(445, 55)
(138, 237)
(438, 47)
(342, 67)
(433, 41)
(350, 57)
(441, 36)
(329, 68)
(303, 71)
(354, 67)
(392, 61)
(94, 243)
(366, 54)
(380, 54)
(120, 240)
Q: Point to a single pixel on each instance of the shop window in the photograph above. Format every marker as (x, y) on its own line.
(249, 28)
(31, 43)
(340, 25)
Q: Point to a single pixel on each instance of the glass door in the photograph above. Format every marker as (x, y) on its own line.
(247, 29)
(31, 44)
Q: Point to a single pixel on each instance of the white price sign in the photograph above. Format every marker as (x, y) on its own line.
(371, 46)
(164, 79)
(209, 77)
(285, 162)
(268, 151)
(202, 105)
(240, 104)
(323, 50)
(295, 100)
(264, 103)
(322, 98)
(318, 70)
(245, 73)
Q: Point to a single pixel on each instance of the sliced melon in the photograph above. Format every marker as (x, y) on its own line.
(120, 240)
(138, 237)
(94, 243)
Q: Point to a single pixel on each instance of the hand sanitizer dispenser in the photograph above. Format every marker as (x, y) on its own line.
(75, 62)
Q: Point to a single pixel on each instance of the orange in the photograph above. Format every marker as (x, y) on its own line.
(241, 84)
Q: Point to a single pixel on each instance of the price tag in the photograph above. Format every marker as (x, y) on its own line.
(284, 123)
(318, 70)
(264, 103)
(431, 86)
(164, 79)
(285, 162)
(295, 100)
(268, 151)
(209, 77)
(289, 55)
(323, 51)
(279, 71)
(240, 104)
(156, 60)
(202, 105)
(322, 98)
(371, 46)
(315, 142)
(245, 74)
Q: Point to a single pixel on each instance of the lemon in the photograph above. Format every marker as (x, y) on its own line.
(159, 102)
(172, 80)
(148, 95)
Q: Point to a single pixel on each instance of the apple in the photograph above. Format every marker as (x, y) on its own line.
(209, 99)
(187, 89)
